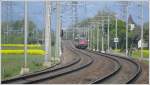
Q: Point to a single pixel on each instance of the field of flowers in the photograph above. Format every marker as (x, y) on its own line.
(32, 52)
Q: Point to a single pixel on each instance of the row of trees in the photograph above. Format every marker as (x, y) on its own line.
(13, 32)
(133, 37)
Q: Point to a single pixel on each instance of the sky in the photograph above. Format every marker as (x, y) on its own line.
(36, 11)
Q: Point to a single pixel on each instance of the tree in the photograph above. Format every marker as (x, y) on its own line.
(16, 31)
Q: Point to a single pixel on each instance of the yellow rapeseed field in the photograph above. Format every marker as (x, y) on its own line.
(33, 52)
(21, 45)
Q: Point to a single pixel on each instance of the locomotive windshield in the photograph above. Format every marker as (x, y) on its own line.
(84, 38)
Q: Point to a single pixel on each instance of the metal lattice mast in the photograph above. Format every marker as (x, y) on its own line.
(47, 62)
(86, 31)
(75, 16)
(125, 8)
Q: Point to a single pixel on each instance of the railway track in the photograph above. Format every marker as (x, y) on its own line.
(79, 63)
(83, 76)
(128, 72)
(90, 67)
(23, 78)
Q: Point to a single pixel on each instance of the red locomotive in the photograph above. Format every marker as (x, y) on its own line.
(81, 43)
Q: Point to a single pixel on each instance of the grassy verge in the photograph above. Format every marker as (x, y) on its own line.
(137, 54)
(11, 64)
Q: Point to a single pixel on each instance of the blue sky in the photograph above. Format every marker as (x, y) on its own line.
(36, 11)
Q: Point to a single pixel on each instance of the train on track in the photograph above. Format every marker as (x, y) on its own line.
(81, 42)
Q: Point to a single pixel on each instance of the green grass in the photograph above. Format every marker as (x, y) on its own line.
(11, 64)
(146, 62)
(137, 54)
(20, 48)
(116, 50)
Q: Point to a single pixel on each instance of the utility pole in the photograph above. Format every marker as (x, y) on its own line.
(0, 27)
(25, 69)
(102, 37)
(92, 36)
(26, 34)
(97, 37)
(7, 23)
(108, 37)
(91, 40)
(126, 30)
(116, 33)
(72, 23)
(142, 41)
(47, 62)
(88, 37)
(149, 28)
(58, 29)
(86, 33)
(66, 35)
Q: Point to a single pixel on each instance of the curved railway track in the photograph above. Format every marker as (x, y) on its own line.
(23, 78)
(88, 67)
(90, 73)
(79, 63)
(128, 72)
